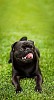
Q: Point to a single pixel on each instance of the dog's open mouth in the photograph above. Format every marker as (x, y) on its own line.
(28, 56)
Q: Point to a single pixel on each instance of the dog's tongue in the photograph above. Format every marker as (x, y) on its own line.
(29, 55)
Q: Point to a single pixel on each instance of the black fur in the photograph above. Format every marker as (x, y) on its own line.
(23, 67)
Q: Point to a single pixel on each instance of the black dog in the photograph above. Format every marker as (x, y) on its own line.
(24, 57)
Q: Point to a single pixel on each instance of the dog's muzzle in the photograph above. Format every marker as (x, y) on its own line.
(28, 56)
(24, 58)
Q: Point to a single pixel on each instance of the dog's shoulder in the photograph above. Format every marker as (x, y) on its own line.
(38, 52)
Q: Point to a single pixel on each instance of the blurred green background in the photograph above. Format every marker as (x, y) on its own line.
(34, 19)
(36, 16)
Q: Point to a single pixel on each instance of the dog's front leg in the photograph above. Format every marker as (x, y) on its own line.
(39, 81)
(16, 80)
(16, 83)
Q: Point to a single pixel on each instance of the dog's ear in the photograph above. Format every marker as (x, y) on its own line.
(23, 39)
(13, 46)
(32, 42)
(11, 53)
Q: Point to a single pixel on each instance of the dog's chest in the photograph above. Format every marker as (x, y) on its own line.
(26, 70)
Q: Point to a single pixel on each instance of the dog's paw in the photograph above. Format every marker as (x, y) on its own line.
(38, 89)
(19, 89)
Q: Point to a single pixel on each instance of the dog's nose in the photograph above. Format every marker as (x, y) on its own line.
(27, 49)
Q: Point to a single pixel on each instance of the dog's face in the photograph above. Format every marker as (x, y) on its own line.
(24, 51)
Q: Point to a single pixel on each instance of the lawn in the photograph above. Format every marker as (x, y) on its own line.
(34, 19)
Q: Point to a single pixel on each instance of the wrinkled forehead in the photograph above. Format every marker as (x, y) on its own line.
(25, 43)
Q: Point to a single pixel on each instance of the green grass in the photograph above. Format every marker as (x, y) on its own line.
(34, 19)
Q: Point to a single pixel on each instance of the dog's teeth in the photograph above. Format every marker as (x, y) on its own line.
(23, 57)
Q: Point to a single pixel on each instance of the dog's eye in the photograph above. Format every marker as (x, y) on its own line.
(21, 49)
(30, 46)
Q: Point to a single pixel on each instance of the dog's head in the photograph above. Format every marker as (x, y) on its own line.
(23, 50)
